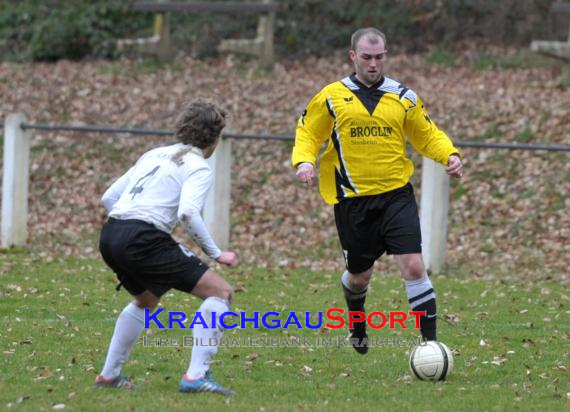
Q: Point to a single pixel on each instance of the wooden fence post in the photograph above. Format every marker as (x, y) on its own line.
(217, 207)
(433, 214)
(163, 48)
(15, 181)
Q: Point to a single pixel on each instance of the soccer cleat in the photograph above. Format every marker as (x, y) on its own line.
(121, 382)
(203, 384)
(359, 338)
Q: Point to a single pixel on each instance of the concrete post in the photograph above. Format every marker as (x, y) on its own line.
(15, 182)
(262, 46)
(217, 207)
(266, 30)
(433, 214)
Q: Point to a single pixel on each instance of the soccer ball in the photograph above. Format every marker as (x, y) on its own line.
(432, 361)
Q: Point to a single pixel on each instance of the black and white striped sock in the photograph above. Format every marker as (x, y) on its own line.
(422, 297)
(354, 298)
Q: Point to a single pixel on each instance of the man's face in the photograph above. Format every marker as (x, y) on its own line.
(368, 59)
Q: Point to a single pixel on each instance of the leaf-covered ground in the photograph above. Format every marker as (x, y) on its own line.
(509, 214)
(510, 343)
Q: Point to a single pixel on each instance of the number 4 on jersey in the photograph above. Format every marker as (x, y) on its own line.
(138, 187)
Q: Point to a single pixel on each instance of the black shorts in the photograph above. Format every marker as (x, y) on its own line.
(146, 258)
(368, 226)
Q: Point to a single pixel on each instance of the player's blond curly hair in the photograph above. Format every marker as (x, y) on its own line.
(200, 123)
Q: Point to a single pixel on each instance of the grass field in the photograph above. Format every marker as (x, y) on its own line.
(511, 343)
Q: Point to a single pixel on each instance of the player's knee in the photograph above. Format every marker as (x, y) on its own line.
(228, 293)
(146, 304)
(415, 269)
(225, 292)
(360, 282)
(146, 300)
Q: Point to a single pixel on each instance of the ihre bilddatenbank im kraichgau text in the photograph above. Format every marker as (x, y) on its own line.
(334, 318)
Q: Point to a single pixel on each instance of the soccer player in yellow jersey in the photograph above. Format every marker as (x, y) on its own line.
(364, 173)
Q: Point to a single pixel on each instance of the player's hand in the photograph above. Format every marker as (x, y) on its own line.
(228, 258)
(454, 166)
(306, 173)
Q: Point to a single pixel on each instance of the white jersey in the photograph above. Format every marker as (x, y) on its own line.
(162, 192)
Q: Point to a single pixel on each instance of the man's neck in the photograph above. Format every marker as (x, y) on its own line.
(368, 84)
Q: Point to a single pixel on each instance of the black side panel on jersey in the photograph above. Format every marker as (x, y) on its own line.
(341, 176)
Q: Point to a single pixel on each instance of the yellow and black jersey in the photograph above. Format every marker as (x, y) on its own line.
(366, 128)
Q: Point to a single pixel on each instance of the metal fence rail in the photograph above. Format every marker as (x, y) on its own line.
(17, 146)
(281, 137)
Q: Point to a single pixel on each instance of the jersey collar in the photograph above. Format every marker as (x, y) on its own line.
(191, 149)
(197, 151)
(362, 85)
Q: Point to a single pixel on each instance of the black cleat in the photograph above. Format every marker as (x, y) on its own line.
(359, 338)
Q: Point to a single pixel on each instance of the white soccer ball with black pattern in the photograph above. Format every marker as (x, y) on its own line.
(431, 362)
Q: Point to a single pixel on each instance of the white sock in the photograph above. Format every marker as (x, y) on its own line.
(128, 328)
(419, 290)
(201, 354)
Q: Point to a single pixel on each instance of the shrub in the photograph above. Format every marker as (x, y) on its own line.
(53, 29)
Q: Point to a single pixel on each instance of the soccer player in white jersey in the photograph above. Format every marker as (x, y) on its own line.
(166, 185)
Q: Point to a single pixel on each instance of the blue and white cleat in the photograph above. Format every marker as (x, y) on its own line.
(203, 384)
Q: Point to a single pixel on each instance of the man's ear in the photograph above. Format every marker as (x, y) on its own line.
(352, 55)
